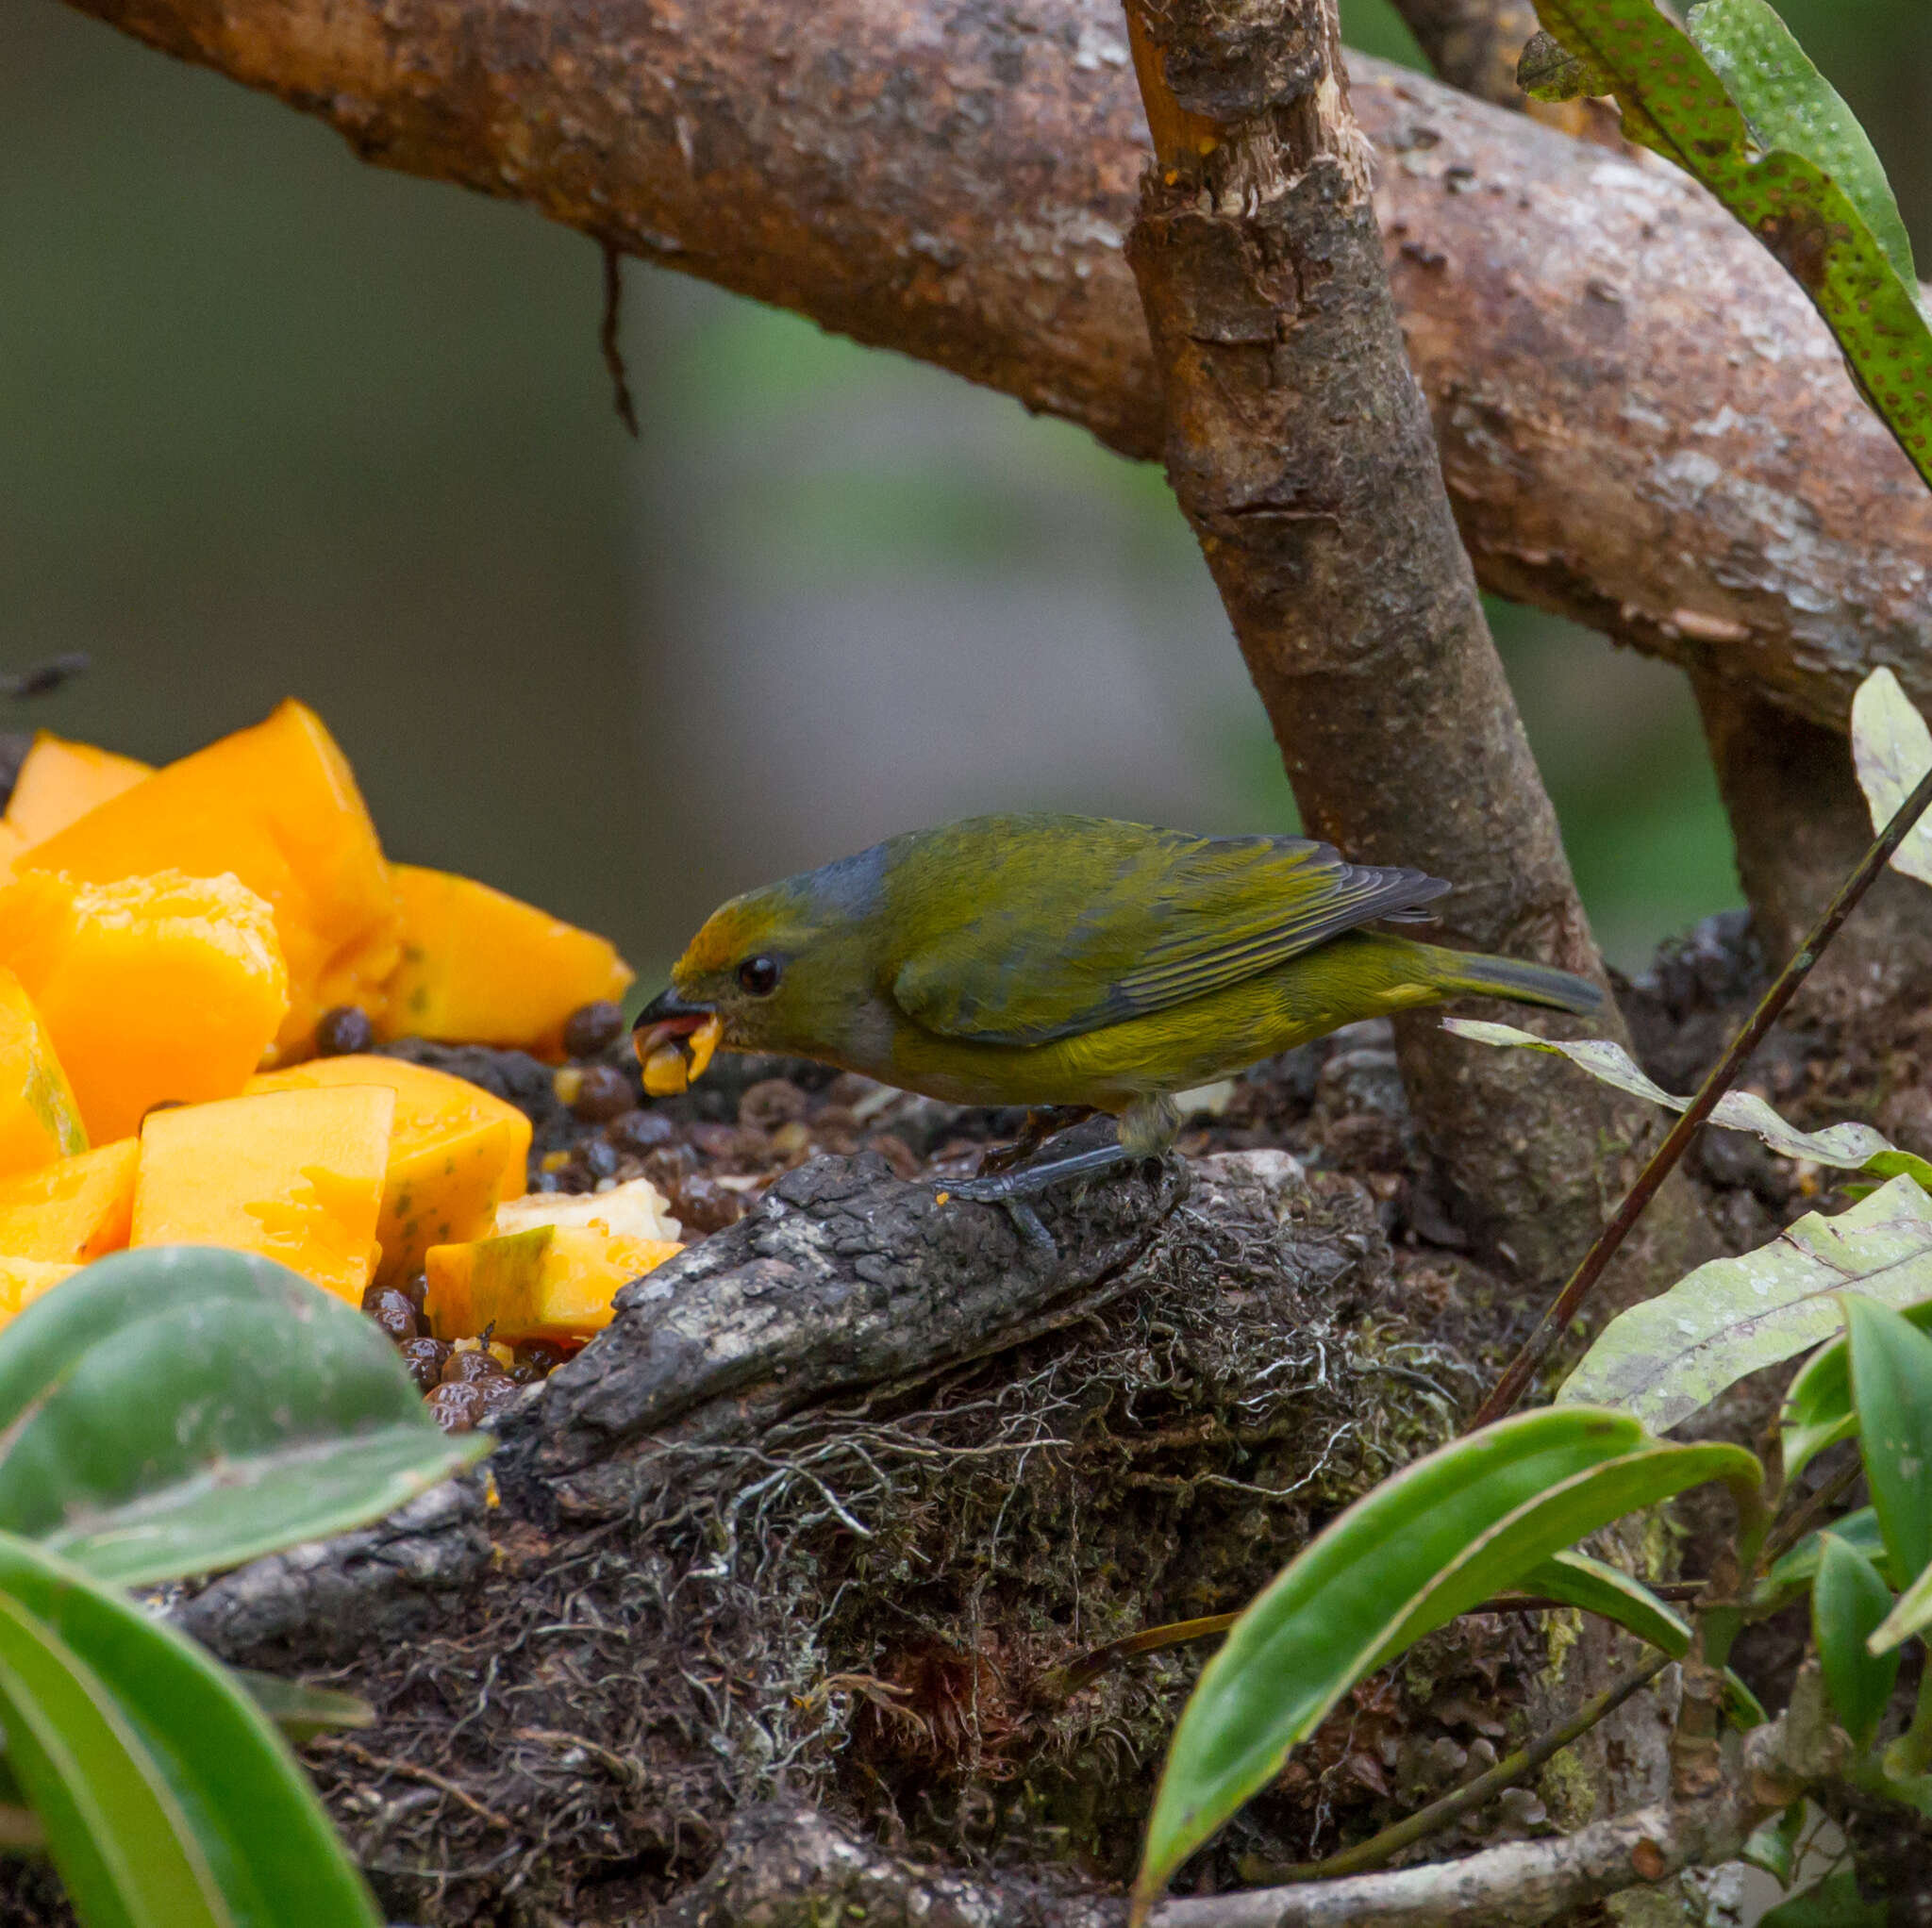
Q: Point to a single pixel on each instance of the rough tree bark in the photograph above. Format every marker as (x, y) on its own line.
(1300, 448)
(1629, 395)
(1475, 44)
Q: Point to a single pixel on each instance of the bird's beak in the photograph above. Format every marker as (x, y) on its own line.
(675, 1041)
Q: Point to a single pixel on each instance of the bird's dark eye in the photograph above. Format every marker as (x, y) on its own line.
(760, 975)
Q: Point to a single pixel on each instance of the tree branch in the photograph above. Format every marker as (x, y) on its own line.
(1628, 394)
(1301, 451)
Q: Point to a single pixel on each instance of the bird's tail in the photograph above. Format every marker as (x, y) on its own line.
(1520, 983)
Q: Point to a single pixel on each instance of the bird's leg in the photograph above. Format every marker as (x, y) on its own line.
(1042, 1123)
(1146, 1131)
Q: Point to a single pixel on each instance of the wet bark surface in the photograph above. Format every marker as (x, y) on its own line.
(1632, 401)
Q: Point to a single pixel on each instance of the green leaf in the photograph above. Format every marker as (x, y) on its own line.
(1598, 1588)
(1434, 1540)
(1891, 749)
(1848, 1602)
(116, 1834)
(299, 1711)
(260, 1829)
(177, 1409)
(1666, 1358)
(1818, 1406)
(1788, 103)
(1912, 1614)
(1673, 101)
(1772, 1846)
(1549, 70)
(1834, 1903)
(1795, 1571)
(1849, 1147)
(1891, 1392)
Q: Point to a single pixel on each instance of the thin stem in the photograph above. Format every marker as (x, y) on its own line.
(1451, 1807)
(1556, 1321)
(1791, 1531)
(1097, 1660)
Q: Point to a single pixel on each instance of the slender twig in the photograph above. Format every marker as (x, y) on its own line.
(1097, 1660)
(1788, 1532)
(1453, 1806)
(607, 339)
(1540, 1344)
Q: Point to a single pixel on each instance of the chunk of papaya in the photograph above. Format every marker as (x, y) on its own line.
(153, 989)
(552, 1282)
(295, 1176)
(276, 806)
(60, 782)
(478, 967)
(72, 1210)
(455, 1152)
(40, 1121)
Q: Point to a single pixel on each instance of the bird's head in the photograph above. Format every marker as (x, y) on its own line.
(785, 969)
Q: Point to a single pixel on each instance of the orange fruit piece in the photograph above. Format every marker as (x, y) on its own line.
(59, 782)
(295, 1176)
(40, 1119)
(152, 988)
(454, 1154)
(72, 1210)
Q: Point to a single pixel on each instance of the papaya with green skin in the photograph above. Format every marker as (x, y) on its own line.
(40, 1119)
(455, 1152)
(70, 1211)
(551, 1282)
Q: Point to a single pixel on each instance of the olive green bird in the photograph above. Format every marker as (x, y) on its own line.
(1061, 961)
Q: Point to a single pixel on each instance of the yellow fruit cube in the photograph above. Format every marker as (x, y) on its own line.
(454, 1154)
(23, 1281)
(295, 1176)
(60, 782)
(72, 1210)
(480, 968)
(40, 1121)
(276, 806)
(153, 989)
(552, 1282)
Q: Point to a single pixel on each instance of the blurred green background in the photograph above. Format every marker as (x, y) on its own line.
(274, 421)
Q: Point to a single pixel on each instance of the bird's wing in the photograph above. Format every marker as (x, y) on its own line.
(1035, 928)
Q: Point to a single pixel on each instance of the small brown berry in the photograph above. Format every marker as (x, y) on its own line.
(467, 1369)
(455, 1408)
(426, 1358)
(592, 1028)
(497, 1395)
(342, 1031)
(392, 1311)
(541, 1355)
(602, 1092)
(415, 1289)
(638, 1132)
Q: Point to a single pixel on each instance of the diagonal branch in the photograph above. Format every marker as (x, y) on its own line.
(1627, 393)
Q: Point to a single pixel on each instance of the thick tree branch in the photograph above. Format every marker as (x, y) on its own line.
(1629, 396)
(1301, 451)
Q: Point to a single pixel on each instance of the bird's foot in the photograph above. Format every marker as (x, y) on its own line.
(1042, 1123)
(1031, 1181)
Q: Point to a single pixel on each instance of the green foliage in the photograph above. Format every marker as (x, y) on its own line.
(1788, 103)
(1774, 1846)
(1818, 1406)
(1438, 1539)
(1892, 1391)
(1849, 1600)
(1834, 1903)
(1891, 749)
(1851, 1147)
(177, 1409)
(1795, 1571)
(1598, 1588)
(236, 1804)
(1812, 220)
(1672, 1355)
